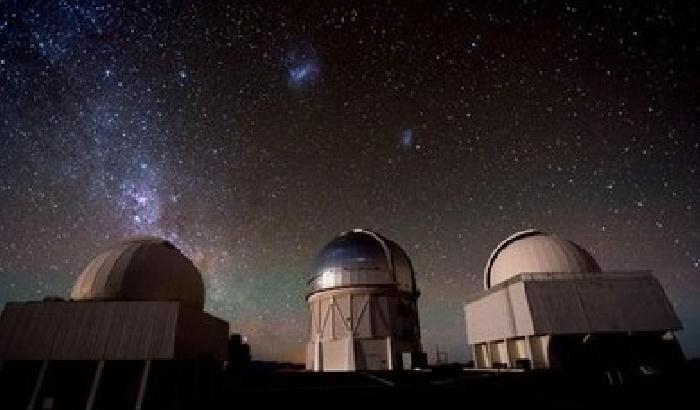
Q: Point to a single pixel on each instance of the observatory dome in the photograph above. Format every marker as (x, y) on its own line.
(362, 258)
(141, 269)
(532, 251)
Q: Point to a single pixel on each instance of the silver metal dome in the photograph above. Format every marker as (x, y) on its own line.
(362, 258)
(532, 251)
(143, 268)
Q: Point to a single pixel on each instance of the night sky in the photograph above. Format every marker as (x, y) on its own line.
(251, 133)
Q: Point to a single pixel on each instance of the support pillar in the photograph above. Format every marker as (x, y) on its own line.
(509, 360)
(546, 340)
(389, 354)
(144, 384)
(318, 355)
(489, 359)
(351, 353)
(37, 386)
(95, 385)
(528, 352)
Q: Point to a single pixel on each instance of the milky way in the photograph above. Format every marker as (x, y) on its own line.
(251, 133)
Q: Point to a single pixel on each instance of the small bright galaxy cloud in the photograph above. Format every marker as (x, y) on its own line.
(407, 140)
(303, 66)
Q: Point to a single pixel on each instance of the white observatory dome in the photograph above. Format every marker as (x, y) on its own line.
(532, 251)
(362, 258)
(141, 269)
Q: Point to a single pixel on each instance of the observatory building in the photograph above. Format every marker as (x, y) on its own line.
(363, 306)
(132, 331)
(547, 304)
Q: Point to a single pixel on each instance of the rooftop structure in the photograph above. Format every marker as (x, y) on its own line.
(547, 304)
(133, 328)
(363, 306)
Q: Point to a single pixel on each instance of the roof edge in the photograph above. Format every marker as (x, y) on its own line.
(512, 238)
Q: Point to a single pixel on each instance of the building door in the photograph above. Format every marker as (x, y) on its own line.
(371, 354)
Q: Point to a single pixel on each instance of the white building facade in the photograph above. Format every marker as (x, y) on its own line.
(546, 304)
(363, 311)
(132, 333)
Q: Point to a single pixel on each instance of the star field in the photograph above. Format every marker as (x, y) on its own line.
(251, 133)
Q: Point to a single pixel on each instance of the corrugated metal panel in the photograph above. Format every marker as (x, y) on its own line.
(70, 339)
(624, 302)
(602, 304)
(555, 307)
(141, 323)
(42, 322)
(15, 343)
(571, 304)
(9, 322)
(88, 330)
